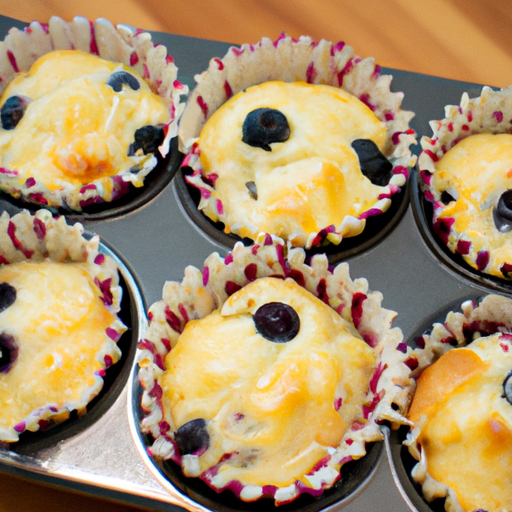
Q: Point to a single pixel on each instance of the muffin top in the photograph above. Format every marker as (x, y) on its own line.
(341, 152)
(88, 110)
(291, 159)
(463, 411)
(72, 120)
(278, 378)
(52, 340)
(465, 171)
(298, 365)
(59, 326)
(461, 414)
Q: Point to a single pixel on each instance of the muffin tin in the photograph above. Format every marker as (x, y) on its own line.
(103, 452)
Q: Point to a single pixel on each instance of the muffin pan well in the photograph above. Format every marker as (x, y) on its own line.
(155, 243)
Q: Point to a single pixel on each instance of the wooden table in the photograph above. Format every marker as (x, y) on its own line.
(468, 40)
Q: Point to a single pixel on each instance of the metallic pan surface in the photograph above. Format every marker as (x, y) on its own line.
(155, 243)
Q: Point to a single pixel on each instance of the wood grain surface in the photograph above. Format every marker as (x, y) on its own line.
(468, 40)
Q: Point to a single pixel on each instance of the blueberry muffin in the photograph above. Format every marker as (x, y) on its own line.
(465, 171)
(59, 299)
(233, 350)
(86, 112)
(295, 138)
(462, 409)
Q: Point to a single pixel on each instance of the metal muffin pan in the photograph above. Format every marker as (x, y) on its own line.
(156, 237)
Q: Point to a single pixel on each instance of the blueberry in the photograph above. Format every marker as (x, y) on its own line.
(502, 213)
(12, 111)
(507, 388)
(119, 78)
(147, 138)
(374, 165)
(263, 126)
(8, 352)
(446, 197)
(192, 437)
(7, 296)
(253, 191)
(277, 322)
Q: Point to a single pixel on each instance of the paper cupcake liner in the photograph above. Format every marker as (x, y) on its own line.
(489, 252)
(38, 238)
(123, 44)
(490, 316)
(291, 60)
(203, 291)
